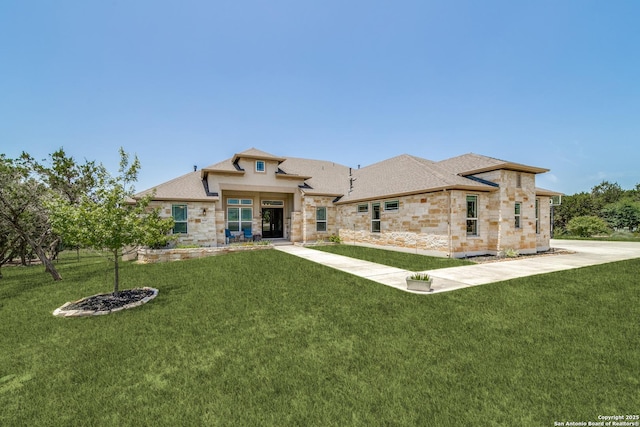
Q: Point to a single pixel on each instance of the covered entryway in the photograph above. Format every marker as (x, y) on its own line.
(272, 223)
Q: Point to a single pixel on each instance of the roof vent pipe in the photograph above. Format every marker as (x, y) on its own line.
(358, 166)
(195, 168)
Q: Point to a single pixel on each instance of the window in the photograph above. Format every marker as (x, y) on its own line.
(179, 214)
(519, 180)
(391, 206)
(363, 208)
(260, 166)
(321, 219)
(239, 218)
(375, 217)
(537, 216)
(239, 202)
(517, 210)
(272, 203)
(472, 215)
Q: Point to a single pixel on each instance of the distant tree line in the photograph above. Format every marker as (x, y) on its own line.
(607, 208)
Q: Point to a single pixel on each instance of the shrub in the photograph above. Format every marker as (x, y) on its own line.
(334, 238)
(587, 226)
(511, 253)
(420, 276)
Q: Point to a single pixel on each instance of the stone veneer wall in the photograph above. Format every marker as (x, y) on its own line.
(543, 239)
(152, 256)
(421, 222)
(296, 227)
(496, 219)
(308, 220)
(201, 225)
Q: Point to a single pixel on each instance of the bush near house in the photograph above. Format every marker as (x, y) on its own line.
(587, 226)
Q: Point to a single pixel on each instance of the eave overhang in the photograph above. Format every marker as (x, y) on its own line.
(474, 188)
(517, 167)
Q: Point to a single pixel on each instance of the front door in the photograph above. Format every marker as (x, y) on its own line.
(272, 220)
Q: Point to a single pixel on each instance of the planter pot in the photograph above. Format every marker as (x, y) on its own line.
(419, 285)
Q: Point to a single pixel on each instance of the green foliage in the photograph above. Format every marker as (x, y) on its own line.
(606, 200)
(587, 226)
(109, 219)
(606, 193)
(334, 238)
(420, 276)
(511, 253)
(23, 213)
(622, 214)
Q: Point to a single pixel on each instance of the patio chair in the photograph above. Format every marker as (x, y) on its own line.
(247, 234)
(228, 236)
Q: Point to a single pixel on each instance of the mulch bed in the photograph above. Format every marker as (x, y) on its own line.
(482, 259)
(102, 304)
(108, 302)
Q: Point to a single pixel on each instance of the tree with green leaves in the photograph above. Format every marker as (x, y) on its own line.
(22, 210)
(622, 214)
(109, 219)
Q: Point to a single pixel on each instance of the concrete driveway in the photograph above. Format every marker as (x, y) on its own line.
(586, 253)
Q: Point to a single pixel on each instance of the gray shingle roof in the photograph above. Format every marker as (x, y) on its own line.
(400, 175)
(187, 187)
(468, 164)
(327, 177)
(403, 175)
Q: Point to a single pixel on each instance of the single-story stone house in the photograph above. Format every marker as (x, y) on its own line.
(463, 206)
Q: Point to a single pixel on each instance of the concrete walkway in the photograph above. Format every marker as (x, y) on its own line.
(586, 253)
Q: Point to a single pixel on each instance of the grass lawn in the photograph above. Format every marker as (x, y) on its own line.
(265, 338)
(404, 260)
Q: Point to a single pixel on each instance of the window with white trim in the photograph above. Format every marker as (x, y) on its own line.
(363, 208)
(260, 166)
(321, 218)
(392, 206)
(517, 214)
(239, 218)
(375, 217)
(472, 215)
(179, 214)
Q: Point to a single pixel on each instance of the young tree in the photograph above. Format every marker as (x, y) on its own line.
(22, 209)
(109, 219)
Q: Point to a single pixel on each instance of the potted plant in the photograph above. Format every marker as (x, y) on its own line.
(419, 282)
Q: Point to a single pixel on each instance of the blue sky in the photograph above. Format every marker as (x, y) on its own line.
(554, 84)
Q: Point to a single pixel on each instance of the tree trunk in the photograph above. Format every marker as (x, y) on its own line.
(48, 265)
(116, 284)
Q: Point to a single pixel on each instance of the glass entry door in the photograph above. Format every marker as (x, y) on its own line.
(272, 223)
